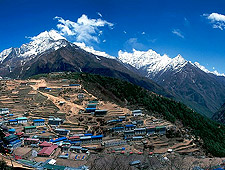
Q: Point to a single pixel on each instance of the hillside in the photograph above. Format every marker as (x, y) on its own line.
(219, 116)
(125, 93)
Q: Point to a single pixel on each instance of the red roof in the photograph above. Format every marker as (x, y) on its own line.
(74, 137)
(31, 139)
(19, 133)
(48, 150)
(45, 144)
(7, 134)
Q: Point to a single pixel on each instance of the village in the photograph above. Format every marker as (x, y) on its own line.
(57, 124)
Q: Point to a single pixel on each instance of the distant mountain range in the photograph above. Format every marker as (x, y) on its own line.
(188, 82)
(194, 85)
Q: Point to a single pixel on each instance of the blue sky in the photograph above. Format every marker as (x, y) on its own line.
(166, 26)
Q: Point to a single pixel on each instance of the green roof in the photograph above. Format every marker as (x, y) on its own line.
(93, 101)
(54, 167)
(10, 137)
(21, 118)
(27, 161)
(30, 127)
(160, 127)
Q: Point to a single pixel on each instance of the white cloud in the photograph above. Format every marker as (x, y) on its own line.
(143, 33)
(124, 32)
(178, 33)
(84, 30)
(99, 14)
(217, 20)
(134, 43)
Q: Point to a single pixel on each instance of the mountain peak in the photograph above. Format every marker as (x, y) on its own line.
(50, 35)
(180, 59)
(43, 42)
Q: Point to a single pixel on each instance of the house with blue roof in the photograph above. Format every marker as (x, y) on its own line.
(96, 139)
(118, 129)
(129, 127)
(12, 121)
(39, 122)
(89, 110)
(15, 144)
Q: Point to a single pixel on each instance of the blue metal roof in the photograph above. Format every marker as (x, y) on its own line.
(97, 136)
(88, 134)
(90, 108)
(58, 140)
(74, 85)
(15, 142)
(129, 125)
(47, 88)
(12, 130)
(13, 120)
(114, 128)
(38, 120)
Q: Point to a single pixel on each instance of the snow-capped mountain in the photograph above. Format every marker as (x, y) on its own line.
(192, 83)
(39, 44)
(51, 52)
(154, 63)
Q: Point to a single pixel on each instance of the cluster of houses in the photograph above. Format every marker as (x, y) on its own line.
(135, 130)
(59, 138)
(92, 108)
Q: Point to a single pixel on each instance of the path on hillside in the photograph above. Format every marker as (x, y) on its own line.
(67, 107)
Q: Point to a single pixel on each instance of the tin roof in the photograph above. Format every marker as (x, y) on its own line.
(48, 150)
(30, 127)
(12, 120)
(85, 137)
(45, 144)
(21, 118)
(38, 120)
(97, 136)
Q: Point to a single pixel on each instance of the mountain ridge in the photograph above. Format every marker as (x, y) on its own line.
(192, 83)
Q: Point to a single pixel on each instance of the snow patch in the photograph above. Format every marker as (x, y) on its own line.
(207, 71)
(93, 51)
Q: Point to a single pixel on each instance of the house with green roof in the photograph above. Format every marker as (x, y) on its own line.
(21, 120)
(30, 129)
